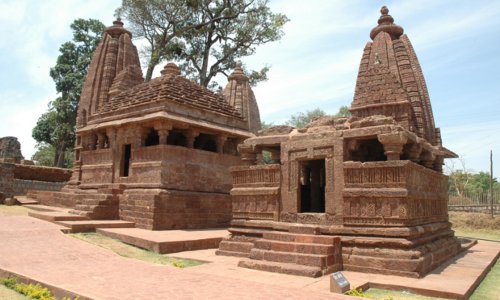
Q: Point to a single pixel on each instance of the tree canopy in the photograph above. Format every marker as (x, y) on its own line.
(301, 119)
(56, 127)
(207, 37)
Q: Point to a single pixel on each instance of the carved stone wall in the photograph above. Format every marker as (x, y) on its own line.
(256, 192)
(393, 193)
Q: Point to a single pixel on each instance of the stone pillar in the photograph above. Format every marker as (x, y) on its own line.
(248, 154)
(191, 135)
(427, 159)
(220, 140)
(275, 156)
(163, 131)
(438, 163)
(112, 145)
(92, 141)
(414, 153)
(393, 144)
(100, 140)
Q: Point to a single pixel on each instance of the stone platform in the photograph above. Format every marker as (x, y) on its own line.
(79, 268)
(167, 241)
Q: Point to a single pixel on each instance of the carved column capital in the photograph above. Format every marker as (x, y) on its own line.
(393, 144)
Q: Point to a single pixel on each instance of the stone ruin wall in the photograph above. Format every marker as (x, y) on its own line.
(18, 179)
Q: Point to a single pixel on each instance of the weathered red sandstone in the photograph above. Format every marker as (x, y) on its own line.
(155, 153)
(364, 193)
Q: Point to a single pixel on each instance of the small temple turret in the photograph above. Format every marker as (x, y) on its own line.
(238, 93)
(115, 67)
(390, 81)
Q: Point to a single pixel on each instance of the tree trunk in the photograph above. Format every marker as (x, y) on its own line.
(60, 151)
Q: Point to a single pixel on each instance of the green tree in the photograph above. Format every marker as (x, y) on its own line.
(45, 153)
(56, 127)
(343, 112)
(300, 120)
(208, 37)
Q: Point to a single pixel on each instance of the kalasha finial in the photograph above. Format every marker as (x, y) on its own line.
(384, 10)
(118, 22)
(171, 69)
(386, 24)
(238, 73)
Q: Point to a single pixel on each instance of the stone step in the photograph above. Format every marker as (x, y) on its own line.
(40, 207)
(312, 260)
(95, 202)
(305, 248)
(53, 216)
(235, 246)
(231, 253)
(92, 225)
(24, 200)
(299, 238)
(285, 268)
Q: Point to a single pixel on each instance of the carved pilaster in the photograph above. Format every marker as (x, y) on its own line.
(393, 144)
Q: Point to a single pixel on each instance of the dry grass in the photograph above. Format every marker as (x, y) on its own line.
(14, 210)
(476, 225)
(8, 294)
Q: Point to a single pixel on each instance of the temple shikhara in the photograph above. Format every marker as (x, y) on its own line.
(364, 193)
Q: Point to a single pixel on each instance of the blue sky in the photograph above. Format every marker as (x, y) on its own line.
(313, 66)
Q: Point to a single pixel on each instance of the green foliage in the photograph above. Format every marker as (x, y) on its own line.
(34, 291)
(343, 112)
(300, 120)
(461, 182)
(357, 293)
(208, 37)
(56, 127)
(9, 282)
(44, 156)
(265, 125)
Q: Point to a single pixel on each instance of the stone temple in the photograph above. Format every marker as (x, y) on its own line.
(364, 193)
(155, 153)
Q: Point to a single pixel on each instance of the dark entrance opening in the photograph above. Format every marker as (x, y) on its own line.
(152, 139)
(127, 150)
(176, 138)
(312, 186)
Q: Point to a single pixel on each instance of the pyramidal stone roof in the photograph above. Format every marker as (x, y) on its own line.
(390, 81)
(170, 87)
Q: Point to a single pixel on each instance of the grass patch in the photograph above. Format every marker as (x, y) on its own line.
(376, 293)
(475, 225)
(126, 250)
(13, 210)
(8, 294)
(489, 287)
(25, 291)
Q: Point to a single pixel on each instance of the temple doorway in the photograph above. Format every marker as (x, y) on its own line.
(312, 186)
